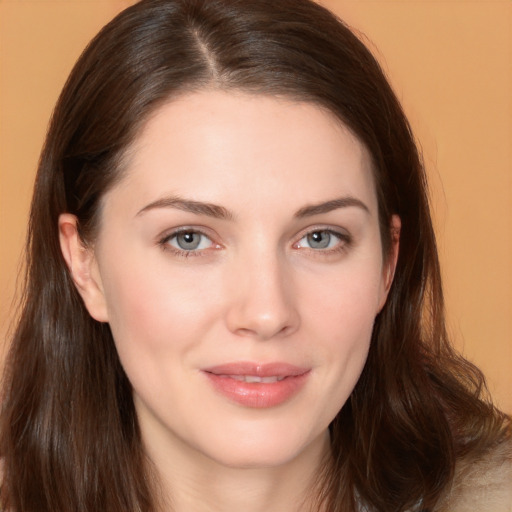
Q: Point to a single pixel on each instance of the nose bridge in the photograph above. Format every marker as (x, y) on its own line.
(263, 303)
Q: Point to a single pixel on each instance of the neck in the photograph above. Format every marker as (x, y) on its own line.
(195, 483)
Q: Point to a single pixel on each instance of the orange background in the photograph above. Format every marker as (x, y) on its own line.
(450, 63)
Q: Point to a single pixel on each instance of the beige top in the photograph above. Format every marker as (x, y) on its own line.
(483, 485)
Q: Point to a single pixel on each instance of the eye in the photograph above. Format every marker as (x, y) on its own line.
(322, 239)
(189, 241)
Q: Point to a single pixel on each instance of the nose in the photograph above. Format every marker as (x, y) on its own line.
(263, 304)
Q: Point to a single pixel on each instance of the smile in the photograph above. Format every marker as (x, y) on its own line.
(257, 385)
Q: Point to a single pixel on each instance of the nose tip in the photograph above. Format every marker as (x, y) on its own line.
(263, 306)
(266, 328)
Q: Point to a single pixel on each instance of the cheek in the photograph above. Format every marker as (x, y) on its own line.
(153, 309)
(348, 300)
(340, 319)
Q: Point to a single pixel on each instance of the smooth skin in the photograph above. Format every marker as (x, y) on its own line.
(244, 228)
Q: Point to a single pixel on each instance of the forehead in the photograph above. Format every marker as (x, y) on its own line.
(239, 148)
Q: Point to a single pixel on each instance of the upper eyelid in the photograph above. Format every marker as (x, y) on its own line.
(170, 233)
(173, 234)
(337, 230)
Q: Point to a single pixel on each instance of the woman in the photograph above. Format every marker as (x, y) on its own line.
(233, 289)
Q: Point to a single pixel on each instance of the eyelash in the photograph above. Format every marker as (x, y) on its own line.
(344, 242)
(166, 246)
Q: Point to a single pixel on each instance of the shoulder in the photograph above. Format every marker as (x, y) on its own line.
(482, 484)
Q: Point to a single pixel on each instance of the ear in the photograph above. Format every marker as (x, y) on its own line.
(83, 267)
(391, 259)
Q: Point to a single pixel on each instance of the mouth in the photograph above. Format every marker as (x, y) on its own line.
(257, 385)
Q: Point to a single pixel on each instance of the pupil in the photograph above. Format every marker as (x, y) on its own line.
(319, 239)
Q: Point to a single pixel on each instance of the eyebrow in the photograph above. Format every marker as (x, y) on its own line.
(188, 205)
(329, 206)
(219, 212)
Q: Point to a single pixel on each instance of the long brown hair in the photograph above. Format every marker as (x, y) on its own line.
(69, 435)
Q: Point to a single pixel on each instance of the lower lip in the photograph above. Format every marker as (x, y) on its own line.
(258, 394)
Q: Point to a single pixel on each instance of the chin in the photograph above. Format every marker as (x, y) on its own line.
(263, 448)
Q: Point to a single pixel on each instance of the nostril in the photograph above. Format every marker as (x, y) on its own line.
(263, 327)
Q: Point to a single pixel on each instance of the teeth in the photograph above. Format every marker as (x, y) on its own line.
(252, 378)
(255, 378)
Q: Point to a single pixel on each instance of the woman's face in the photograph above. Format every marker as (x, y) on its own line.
(239, 265)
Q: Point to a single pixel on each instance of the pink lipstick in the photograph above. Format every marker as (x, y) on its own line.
(257, 385)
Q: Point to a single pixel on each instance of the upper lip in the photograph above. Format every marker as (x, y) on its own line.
(277, 369)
